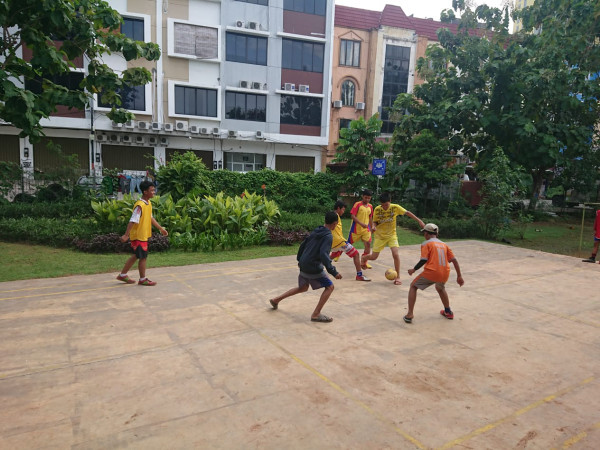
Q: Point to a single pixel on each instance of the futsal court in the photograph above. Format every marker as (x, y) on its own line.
(200, 361)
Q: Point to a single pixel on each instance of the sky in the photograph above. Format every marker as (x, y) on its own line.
(419, 8)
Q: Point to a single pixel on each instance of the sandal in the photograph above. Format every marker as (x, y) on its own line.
(321, 318)
(274, 305)
(408, 319)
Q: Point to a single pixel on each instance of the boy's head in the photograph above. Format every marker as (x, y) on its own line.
(145, 187)
(331, 219)
(366, 195)
(385, 199)
(339, 207)
(430, 229)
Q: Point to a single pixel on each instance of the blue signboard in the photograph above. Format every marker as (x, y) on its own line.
(379, 167)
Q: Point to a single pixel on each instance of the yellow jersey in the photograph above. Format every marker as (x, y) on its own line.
(385, 220)
(142, 230)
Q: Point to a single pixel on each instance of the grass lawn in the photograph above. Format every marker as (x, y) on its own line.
(24, 261)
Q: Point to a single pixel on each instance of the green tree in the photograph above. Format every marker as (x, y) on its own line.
(358, 147)
(530, 93)
(57, 32)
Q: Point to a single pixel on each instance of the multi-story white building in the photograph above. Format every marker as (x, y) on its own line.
(245, 84)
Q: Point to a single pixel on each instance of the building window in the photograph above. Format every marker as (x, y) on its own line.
(246, 49)
(132, 98)
(133, 28)
(245, 162)
(350, 53)
(395, 81)
(348, 90)
(192, 101)
(344, 123)
(256, 2)
(317, 7)
(195, 40)
(298, 110)
(242, 106)
(70, 80)
(302, 55)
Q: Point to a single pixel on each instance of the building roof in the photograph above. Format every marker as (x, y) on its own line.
(363, 19)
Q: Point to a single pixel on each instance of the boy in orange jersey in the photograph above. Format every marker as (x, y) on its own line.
(340, 245)
(384, 218)
(139, 229)
(435, 256)
(362, 223)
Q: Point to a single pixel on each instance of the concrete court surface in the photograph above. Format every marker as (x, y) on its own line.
(201, 362)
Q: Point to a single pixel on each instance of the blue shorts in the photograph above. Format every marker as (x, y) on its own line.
(315, 283)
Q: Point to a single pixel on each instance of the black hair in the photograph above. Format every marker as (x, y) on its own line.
(368, 192)
(145, 185)
(339, 204)
(331, 217)
(385, 197)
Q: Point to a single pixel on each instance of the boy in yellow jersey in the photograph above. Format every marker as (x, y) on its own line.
(435, 256)
(362, 223)
(139, 229)
(384, 218)
(340, 245)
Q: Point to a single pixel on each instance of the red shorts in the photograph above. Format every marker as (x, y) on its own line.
(140, 248)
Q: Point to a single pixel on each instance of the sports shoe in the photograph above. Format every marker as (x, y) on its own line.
(590, 260)
(147, 282)
(125, 279)
(447, 315)
(362, 278)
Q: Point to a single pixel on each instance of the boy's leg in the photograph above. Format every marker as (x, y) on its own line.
(128, 264)
(396, 256)
(368, 257)
(412, 299)
(142, 268)
(293, 291)
(592, 258)
(322, 300)
(446, 312)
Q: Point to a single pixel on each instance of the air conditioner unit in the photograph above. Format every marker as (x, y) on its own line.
(232, 133)
(304, 88)
(139, 139)
(164, 141)
(265, 87)
(216, 131)
(126, 139)
(143, 125)
(156, 126)
(130, 124)
(101, 138)
(203, 130)
(253, 25)
(240, 24)
(114, 138)
(181, 125)
(245, 84)
(194, 129)
(117, 125)
(168, 126)
(153, 140)
(256, 85)
(360, 105)
(337, 104)
(260, 135)
(289, 87)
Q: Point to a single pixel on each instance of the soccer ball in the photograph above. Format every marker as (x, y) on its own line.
(391, 274)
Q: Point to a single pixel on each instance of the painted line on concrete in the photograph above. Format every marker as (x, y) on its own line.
(578, 437)
(516, 414)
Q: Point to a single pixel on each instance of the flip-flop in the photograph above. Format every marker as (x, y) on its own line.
(408, 319)
(273, 304)
(321, 318)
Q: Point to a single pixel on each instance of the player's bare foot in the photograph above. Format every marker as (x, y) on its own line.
(397, 282)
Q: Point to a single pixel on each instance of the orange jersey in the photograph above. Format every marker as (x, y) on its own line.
(438, 256)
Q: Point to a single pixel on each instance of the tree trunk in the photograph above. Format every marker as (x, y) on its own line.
(538, 178)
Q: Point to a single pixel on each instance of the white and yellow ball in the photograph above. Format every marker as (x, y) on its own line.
(391, 274)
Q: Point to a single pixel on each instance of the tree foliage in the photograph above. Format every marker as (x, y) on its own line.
(530, 93)
(57, 33)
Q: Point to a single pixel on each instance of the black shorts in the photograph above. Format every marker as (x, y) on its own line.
(140, 249)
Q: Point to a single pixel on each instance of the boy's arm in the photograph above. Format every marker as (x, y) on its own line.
(324, 256)
(420, 264)
(161, 229)
(459, 278)
(412, 216)
(125, 237)
(135, 218)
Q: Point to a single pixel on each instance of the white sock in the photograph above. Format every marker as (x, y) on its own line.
(123, 275)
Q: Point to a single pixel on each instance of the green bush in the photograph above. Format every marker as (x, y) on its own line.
(111, 243)
(299, 221)
(450, 228)
(53, 232)
(184, 175)
(67, 209)
(208, 242)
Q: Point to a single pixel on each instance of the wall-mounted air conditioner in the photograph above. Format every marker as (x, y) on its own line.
(304, 88)
(181, 125)
(101, 138)
(216, 131)
(194, 129)
(130, 124)
(164, 141)
(156, 126)
(168, 126)
(143, 125)
(337, 104)
(256, 85)
(265, 87)
(203, 130)
(240, 24)
(289, 87)
(153, 140)
(245, 84)
(139, 139)
(232, 133)
(114, 138)
(360, 105)
(116, 124)
(126, 139)
(253, 25)
(260, 135)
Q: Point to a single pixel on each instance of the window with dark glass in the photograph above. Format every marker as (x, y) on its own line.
(133, 28)
(195, 40)
(193, 101)
(395, 81)
(302, 55)
(69, 80)
(256, 2)
(350, 53)
(298, 110)
(344, 124)
(318, 7)
(133, 98)
(242, 106)
(245, 162)
(246, 49)
(348, 90)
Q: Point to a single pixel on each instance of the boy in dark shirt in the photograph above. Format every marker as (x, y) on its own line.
(313, 259)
